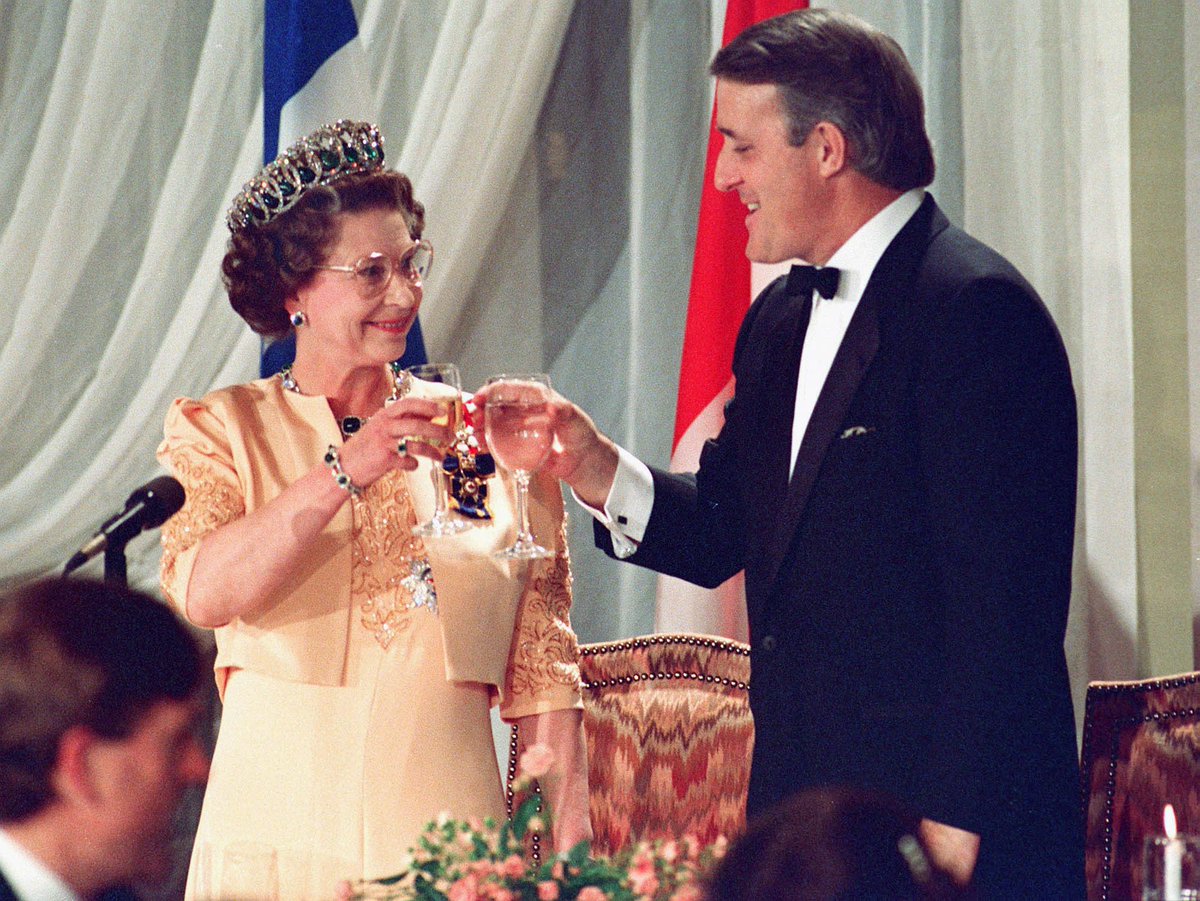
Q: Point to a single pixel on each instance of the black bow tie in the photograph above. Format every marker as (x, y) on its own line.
(803, 280)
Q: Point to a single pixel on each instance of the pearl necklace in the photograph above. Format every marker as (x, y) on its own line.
(401, 383)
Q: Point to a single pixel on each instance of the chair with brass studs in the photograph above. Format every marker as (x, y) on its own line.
(1141, 751)
(669, 737)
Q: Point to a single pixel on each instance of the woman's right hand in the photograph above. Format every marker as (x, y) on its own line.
(372, 451)
(227, 583)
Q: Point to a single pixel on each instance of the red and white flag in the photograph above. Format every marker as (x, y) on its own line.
(723, 284)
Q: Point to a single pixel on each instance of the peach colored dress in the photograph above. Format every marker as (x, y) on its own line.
(335, 777)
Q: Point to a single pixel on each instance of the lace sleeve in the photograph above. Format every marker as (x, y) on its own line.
(196, 451)
(543, 665)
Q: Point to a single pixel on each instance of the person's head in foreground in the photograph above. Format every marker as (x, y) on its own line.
(98, 709)
(832, 844)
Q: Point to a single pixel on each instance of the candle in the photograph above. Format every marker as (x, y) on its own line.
(1172, 858)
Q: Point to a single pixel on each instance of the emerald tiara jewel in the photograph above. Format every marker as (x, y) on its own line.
(329, 153)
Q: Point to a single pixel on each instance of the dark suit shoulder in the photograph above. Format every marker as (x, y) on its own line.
(955, 261)
(767, 308)
(966, 290)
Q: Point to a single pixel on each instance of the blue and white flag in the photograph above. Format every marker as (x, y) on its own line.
(314, 72)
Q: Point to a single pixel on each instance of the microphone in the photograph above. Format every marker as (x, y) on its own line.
(147, 508)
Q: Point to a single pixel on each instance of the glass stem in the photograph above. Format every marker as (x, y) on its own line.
(523, 534)
(439, 492)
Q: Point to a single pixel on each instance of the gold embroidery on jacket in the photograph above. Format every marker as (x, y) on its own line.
(545, 652)
(389, 573)
(211, 502)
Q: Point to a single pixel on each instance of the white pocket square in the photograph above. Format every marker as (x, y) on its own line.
(855, 430)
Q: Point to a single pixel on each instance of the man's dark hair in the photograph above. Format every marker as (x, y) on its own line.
(80, 653)
(832, 67)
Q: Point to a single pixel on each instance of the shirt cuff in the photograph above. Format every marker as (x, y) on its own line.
(627, 508)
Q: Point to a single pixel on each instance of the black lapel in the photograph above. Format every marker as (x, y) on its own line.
(780, 395)
(891, 278)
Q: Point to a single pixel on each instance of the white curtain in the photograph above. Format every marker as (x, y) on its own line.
(110, 305)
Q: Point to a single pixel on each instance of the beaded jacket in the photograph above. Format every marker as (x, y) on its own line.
(504, 623)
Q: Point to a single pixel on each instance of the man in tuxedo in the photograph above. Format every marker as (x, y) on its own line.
(98, 709)
(896, 473)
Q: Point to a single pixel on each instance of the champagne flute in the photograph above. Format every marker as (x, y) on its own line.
(250, 871)
(519, 436)
(442, 522)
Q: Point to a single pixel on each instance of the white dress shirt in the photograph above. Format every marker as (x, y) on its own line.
(830, 318)
(28, 876)
(631, 498)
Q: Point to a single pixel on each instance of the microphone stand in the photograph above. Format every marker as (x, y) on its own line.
(148, 507)
(115, 567)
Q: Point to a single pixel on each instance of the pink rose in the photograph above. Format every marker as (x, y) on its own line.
(466, 889)
(536, 760)
(547, 891)
(513, 867)
(480, 869)
(643, 878)
(688, 893)
(643, 884)
(720, 846)
(591, 893)
(642, 863)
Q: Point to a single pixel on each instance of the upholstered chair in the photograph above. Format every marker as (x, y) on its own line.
(1141, 751)
(669, 736)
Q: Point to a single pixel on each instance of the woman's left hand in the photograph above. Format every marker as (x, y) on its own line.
(565, 786)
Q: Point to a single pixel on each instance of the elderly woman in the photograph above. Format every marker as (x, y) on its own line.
(356, 662)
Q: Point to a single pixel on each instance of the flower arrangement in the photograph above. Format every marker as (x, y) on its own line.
(473, 860)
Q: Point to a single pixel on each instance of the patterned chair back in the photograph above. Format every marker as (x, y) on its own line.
(1141, 751)
(669, 737)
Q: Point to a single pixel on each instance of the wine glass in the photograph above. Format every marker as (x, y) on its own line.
(519, 435)
(442, 522)
(250, 870)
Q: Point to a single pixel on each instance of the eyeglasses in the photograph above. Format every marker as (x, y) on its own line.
(373, 273)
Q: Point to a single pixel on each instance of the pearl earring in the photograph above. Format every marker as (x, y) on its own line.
(299, 319)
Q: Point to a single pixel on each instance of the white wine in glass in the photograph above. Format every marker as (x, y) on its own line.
(442, 522)
(519, 435)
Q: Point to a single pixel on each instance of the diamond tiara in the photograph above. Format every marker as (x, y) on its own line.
(329, 153)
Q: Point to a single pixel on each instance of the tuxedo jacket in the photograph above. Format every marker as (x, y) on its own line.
(907, 587)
